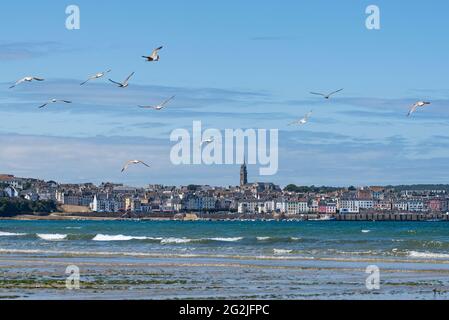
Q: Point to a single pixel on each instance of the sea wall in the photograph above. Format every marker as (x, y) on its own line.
(391, 217)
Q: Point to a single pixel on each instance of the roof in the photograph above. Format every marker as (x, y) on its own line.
(6, 177)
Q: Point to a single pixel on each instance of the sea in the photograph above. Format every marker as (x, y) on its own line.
(132, 259)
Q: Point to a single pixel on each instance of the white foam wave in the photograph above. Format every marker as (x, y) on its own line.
(52, 236)
(121, 237)
(428, 255)
(282, 251)
(263, 238)
(175, 240)
(366, 231)
(226, 239)
(11, 234)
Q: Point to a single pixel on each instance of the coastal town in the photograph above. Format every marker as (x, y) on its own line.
(257, 199)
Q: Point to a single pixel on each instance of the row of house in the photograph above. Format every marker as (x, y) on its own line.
(248, 198)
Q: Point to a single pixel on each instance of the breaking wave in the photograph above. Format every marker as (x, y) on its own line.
(428, 255)
(120, 237)
(11, 234)
(52, 236)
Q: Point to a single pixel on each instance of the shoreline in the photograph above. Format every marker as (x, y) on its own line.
(340, 218)
(75, 218)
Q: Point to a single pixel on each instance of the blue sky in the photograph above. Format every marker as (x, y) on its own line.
(233, 64)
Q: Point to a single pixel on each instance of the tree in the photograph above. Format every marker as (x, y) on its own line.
(12, 207)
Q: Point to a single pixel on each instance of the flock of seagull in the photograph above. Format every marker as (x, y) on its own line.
(154, 57)
(305, 119)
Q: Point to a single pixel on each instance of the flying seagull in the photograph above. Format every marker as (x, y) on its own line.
(417, 105)
(302, 121)
(207, 141)
(54, 101)
(326, 96)
(125, 83)
(130, 162)
(159, 106)
(26, 79)
(96, 76)
(154, 55)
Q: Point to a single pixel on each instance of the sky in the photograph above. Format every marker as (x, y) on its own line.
(232, 65)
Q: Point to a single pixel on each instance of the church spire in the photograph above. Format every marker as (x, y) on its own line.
(243, 174)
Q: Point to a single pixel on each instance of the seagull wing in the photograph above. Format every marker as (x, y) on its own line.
(167, 101)
(140, 161)
(335, 92)
(318, 94)
(126, 165)
(155, 51)
(412, 109)
(65, 101)
(17, 83)
(146, 107)
(38, 79)
(129, 77)
(83, 83)
(44, 105)
(117, 83)
(308, 115)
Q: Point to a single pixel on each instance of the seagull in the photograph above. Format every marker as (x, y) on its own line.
(417, 105)
(159, 106)
(26, 79)
(96, 76)
(130, 162)
(207, 141)
(125, 83)
(54, 101)
(154, 55)
(302, 121)
(326, 96)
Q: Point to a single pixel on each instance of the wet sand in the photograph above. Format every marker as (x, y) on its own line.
(118, 277)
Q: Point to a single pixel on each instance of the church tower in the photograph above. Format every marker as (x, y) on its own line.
(243, 175)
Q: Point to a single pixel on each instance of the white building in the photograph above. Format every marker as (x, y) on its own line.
(250, 206)
(296, 207)
(11, 192)
(415, 206)
(400, 205)
(349, 206)
(366, 204)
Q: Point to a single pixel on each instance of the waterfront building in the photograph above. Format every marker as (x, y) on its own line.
(415, 206)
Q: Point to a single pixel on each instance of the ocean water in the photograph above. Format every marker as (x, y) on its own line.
(334, 239)
(230, 259)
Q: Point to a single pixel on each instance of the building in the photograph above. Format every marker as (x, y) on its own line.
(382, 205)
(415, 206)
(243, 175)
(296, 207)
(11, 192)
(366, 204)
(400, 205)
(325, 207)
(349, 206)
